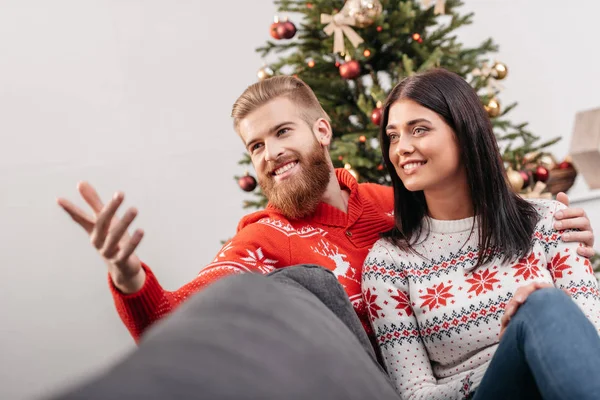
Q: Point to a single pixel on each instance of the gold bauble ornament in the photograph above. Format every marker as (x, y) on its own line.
(515, 179)
(499, 70)
(493, 107)
(364, 12)
(264, 73)
(348, 167)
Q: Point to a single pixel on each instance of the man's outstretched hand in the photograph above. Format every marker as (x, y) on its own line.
(109, 236)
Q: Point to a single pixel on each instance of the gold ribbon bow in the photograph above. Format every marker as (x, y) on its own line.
(338, 26)
(440, 6)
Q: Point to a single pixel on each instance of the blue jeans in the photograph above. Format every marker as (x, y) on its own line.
(549, 350)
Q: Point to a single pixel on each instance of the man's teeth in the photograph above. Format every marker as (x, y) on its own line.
(413, 165)
(286, 167)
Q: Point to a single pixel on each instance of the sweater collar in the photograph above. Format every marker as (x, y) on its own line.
(451, 226)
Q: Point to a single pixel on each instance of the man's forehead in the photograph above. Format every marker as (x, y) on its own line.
(269, 115)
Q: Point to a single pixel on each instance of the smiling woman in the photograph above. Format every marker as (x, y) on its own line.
(437, 118)
(464, 245)
(423, 149)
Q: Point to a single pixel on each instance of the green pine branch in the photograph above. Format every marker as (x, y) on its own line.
(394, 54)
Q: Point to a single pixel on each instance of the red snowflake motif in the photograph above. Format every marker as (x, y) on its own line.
(436, 295)
(527, 267)
(558, 265)
(403, 303)
(482, 282)
(588, 267)
(371, 305)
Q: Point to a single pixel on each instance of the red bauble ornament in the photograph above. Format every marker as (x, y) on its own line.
(286, 30)
(350, 69)
(526, 178)
(541, 174)
(376, 116)
(247, 183)
(565, 165)
(273, 29)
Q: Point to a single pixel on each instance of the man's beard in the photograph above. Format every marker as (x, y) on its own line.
(298, 196)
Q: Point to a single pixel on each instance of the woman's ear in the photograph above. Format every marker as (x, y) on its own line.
(322, 131)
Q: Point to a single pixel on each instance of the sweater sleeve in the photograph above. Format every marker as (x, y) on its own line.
(569, 270)
(243, 253)
(385, 290)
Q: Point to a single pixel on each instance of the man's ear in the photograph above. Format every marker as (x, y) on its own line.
(322, 131)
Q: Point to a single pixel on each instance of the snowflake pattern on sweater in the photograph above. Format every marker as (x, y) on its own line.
(266, 241)
(437, 320)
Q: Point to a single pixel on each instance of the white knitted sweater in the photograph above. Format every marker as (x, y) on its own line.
(437, 321)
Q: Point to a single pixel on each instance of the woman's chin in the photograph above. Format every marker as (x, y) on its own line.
(413, 186)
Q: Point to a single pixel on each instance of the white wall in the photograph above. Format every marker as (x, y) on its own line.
(135, 96)
(551, 52)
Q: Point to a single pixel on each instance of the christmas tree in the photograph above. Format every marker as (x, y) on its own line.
(352, 53)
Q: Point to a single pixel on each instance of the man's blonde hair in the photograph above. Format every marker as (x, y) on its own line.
(260, 93)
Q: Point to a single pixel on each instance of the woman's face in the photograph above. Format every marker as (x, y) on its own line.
(423, 148)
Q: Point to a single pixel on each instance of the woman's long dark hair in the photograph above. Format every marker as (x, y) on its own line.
(505, 221)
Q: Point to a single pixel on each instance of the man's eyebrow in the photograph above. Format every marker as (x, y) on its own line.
(271, 130)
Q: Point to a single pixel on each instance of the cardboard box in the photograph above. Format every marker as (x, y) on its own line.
(585, 146)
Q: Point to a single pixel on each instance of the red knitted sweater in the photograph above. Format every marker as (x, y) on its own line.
(266, 240)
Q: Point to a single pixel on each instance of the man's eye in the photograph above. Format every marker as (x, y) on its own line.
(282, 131)
(255, 147)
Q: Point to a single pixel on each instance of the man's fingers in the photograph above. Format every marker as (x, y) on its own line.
(586, 237)
(586, 251)
(77, 214)
(570, 212)
(563, 198)
(580, 223)
(103, 222)
(117, 232)
(90, 196)
(129, 247)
